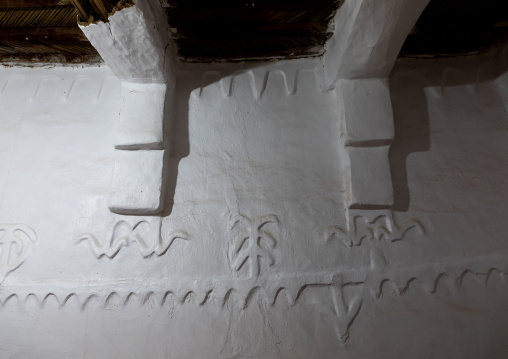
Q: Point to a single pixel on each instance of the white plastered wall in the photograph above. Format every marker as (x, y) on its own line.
(259, 146)
(256, 153)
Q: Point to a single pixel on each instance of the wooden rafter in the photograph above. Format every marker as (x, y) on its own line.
(82, 9)
(32, 30)
(98, 9)
(102, 8)
(6, 4)
(42, 33)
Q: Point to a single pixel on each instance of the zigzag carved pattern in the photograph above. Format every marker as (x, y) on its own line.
(377, 276)
(260, 84)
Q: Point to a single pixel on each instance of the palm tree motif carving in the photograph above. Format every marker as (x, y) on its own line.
(252, 243)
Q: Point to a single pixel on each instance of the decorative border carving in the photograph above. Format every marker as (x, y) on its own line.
(259, 84)
(243, 292)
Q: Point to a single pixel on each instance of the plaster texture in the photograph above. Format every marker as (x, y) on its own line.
(370, 178)
(368, 35)
(257, 253)
(135, 40)
(320, 208)
(138, 189)
(366, 112)
(135, 45)
(140, 125)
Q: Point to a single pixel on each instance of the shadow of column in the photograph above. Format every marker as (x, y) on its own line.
(412, 131)
(176, 119)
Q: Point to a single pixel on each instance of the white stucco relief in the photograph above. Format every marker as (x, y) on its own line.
(264, 247)
(15, 243)
(133, 45)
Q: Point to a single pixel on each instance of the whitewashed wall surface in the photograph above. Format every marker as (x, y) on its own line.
(287, 230)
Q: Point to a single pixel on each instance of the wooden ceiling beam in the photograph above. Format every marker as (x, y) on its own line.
(83, 9)
(102, 8)
(99, 9)
(236, 4)
(42, 33)
(6, 4)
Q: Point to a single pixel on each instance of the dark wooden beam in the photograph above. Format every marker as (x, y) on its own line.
(102, 8)
(99, 9)
(41, 34)
(250, 4)
(32, 3)
(83, 9)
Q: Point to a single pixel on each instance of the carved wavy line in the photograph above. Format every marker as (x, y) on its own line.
(130, 297)
(228, 296)
(189, 297)
(250, 295)
(110, 298)
(429, 277)
(147, 297)
(8, 298)
(165, 297)
(450, 281)
(258, 83)
(88, 300)
(274, 77)
(278, 293)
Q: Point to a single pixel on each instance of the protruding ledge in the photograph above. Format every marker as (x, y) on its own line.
(134, 45)
(137, 183)
(370, 178)
(141, 117)
(366, 108)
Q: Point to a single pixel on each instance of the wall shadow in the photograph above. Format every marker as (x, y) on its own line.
(410, 104)
(412, 133)
(176, 117)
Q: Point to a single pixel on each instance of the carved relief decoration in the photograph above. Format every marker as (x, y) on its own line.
(262, 84)
(242, 292)
(16, 241)
(252, 242)
(345, 312)
(147, 239)
(381, 227)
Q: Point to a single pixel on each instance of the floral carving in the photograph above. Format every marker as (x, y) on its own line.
(15, 243)
(148, 240)
(381, 227)
(252, 243)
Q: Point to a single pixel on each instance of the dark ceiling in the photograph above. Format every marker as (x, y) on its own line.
(232, 30)
(457, 27)
(42, 31)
